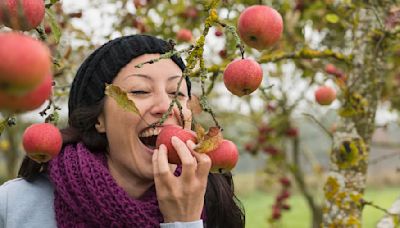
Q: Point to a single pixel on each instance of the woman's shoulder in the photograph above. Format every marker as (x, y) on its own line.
(19, 185)
(20, 198)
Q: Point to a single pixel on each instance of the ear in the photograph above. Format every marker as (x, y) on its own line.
(100, 125)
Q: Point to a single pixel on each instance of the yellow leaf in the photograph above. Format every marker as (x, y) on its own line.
(332, 18)
(121, 98)
(200, 131)
(210, 141)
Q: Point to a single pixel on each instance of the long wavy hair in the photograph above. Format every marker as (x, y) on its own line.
(223, 208)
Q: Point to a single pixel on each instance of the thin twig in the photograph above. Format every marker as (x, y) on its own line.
(383, 157)
(322, 126)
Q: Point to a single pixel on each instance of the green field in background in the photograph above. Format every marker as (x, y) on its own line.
(258, 208)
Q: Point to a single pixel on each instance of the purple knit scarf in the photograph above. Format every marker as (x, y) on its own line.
(86, 194)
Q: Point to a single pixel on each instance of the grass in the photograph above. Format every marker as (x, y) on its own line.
(258, 208)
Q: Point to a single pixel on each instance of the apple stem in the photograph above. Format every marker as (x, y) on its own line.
(241, 47)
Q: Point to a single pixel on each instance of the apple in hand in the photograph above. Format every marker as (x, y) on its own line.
(325, 95)
(225, 157)
(42, 142)
(260, 26)
(243, 76)
(165, 135)
(22, 14)
(24, 63)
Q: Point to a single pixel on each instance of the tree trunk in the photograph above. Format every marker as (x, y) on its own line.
(345, 184)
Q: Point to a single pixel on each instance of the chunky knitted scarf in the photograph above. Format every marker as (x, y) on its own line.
(86, 194)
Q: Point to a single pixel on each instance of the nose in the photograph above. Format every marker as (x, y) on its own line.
(161, 104)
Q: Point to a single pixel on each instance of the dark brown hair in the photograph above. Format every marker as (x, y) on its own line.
(223, 208)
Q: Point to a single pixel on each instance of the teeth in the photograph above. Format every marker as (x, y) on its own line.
(150, 132)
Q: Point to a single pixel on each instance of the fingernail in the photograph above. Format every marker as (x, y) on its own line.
(174, 139)
(191, 144)
(162, 146)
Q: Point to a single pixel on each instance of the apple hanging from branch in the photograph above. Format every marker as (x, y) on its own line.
(260, 27)
(325, 95)
(30, 101)
(42, 142)
(243, 76)
(26, 66)
(22, 15)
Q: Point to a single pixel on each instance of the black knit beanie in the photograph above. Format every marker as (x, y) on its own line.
(103, 65)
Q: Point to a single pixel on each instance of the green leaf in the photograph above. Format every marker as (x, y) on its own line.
(53, 1)
(332, 18)
(121, 98)
(55, 28)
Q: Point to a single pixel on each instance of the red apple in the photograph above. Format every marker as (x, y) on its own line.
(24, 63)
(184, 35)
(225, 157)
(292, 132)
(331, 69)
(218, 32)
(325, 95)
(243, 76)
(30, 101)
(276, 213)
(260, 26)
(223, 54)
(165, 135)
(42, 142)
(285, 182)
(22, 14)
(271, 150)
(191, 12)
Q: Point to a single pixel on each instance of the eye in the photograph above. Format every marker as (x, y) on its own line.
(138, 92)
(180, 94)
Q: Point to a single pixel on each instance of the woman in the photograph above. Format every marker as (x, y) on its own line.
(108, 173)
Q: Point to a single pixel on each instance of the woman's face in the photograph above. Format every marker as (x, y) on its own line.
(131, 139)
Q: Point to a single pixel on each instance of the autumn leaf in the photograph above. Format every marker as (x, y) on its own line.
(200, 131)
(210, 141)
(121, 98)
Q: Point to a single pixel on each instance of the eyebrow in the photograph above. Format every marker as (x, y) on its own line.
(150, 78)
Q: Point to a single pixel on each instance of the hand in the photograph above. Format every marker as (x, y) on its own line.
(181, 198)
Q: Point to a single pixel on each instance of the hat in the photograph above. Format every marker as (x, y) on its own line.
(103, 65)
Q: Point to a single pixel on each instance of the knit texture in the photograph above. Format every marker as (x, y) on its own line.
(103, 65)
(86, 194)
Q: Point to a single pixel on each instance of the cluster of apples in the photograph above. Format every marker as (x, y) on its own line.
(280, 200)
(25, 66)
(259, 27)
(25, 74)
(224, 153)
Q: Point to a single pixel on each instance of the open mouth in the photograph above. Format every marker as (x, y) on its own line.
(149, 137)
(149, 142)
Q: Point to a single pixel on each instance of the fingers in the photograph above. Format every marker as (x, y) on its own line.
(189, 164)
(160, 164)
